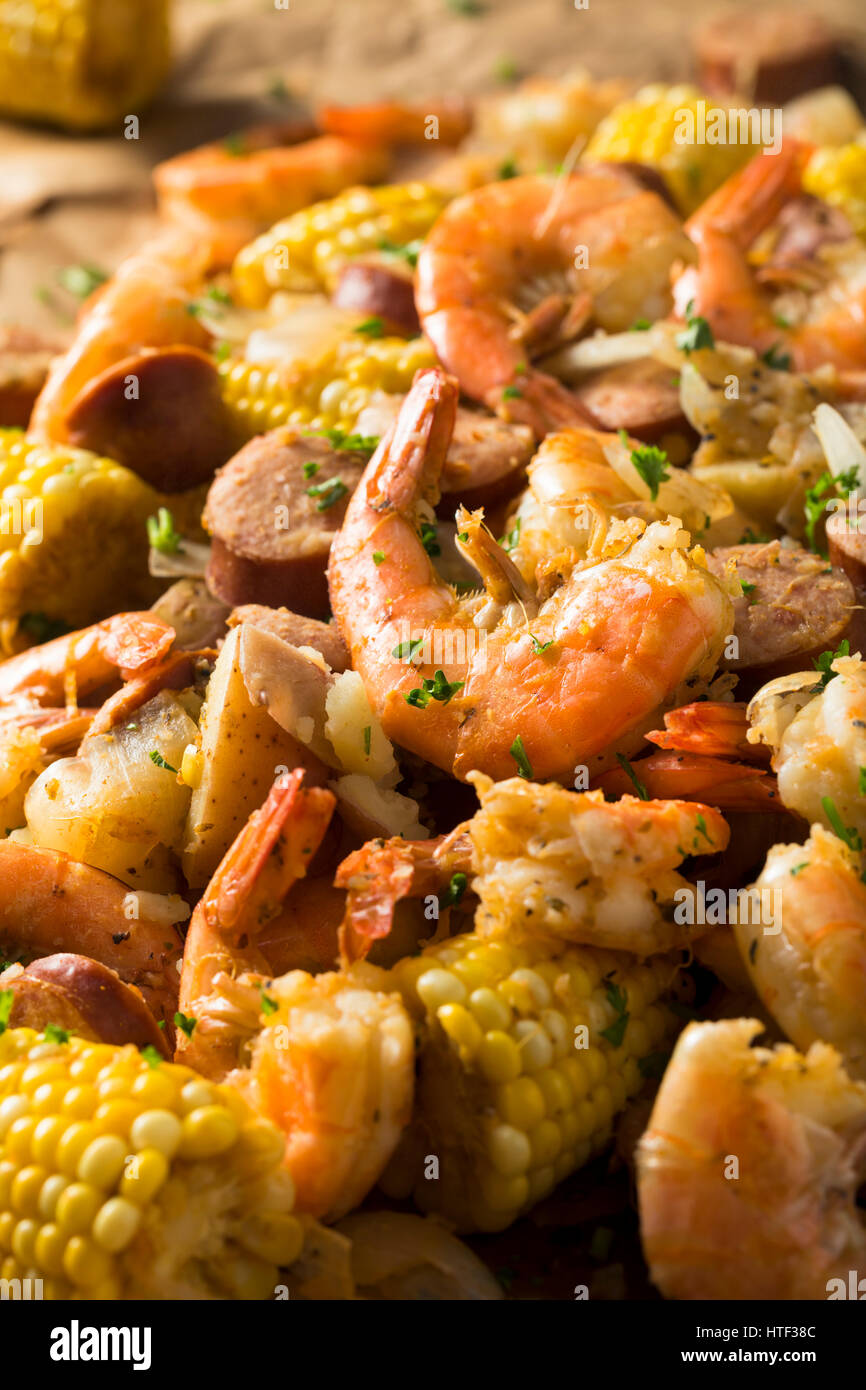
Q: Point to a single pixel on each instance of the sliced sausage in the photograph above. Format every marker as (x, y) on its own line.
(297, 630)
(848, 550)
(486, 460)
(766, 55)
(644, 175)
(86, 998)
(380, 291)
(272, 520)
(639, 397)
(799, 604)
(160, 413)
(197, 616)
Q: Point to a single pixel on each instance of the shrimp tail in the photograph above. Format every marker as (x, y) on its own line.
(673, 775)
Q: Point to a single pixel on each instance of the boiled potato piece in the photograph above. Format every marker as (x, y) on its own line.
(119, 804)
(242, 751)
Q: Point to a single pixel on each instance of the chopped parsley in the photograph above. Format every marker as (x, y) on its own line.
(507, 170)
(650, 462)
(430, 538)
(815, 502)
(328, 493)
(618, 999)
(750, 537)
(640, 326)
(861, 781)
(278, 91)
(368, 735)
(235, 145)
(184, 1023)
(159, 761)
(310, 468)
(779, 361)
(152, 1056)
(512, 540)
(518, 753)
(407, 651)
(702, 830)
(697, 333)
(222, 351)
(81, 280)
(407, 252)
(824, 664)
(378, 557)
(7, 999)
(540, 647)
(340, 439)
(847, 834)
(633, 777)
(54, 1033)
(454, 892)
(512, 393)
(161, 534)
(746, 587)
(505, 70)
(269, 1005)
(371, 328)
(436, 689)
(798, 868)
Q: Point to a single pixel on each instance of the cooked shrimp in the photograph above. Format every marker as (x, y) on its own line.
(329, 1059)
(713, 728)
(398, 122)
(543, 118)
(49, 903)
(144, 304)
(67, 667)
(579, 480)
(228, 192)
(749, 1170)
(810, 969)
(817, 733)
(271, 853)
(555, 683)
(29, 739)
(497, 253)
(730, 786)
(562, 866)
(823, 327)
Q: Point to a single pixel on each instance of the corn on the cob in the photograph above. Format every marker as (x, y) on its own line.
(332, 391)
(644, 129)
(838, 175)
(72, 529)
(306, 250)
(125, 1177)
(525, 1059)
(81, 63)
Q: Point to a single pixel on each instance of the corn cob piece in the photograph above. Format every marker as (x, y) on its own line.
(306, 250)
(322, 394)
(838, 175)
(525, 1059)
(81, 63)
(644, 129)
(72, 529)
(122, 1176)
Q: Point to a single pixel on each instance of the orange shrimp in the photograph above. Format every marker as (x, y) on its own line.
(398, 122)
(497, 253)
(226, 193)
(328, 1058)
(712, 728)
(694, 777)
(49, 903)
(145, 304)
(828, 326)
(67, 667)
(521, 684)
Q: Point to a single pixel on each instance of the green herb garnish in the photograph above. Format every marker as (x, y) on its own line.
(184, 1023)
(159, 761)
(824, 664)
(518, 753)
(697, 333)
(161, 534)
(847, 834)
(328, 493)
(633, 777)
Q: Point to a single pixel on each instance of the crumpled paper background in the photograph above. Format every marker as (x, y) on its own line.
(66, 200)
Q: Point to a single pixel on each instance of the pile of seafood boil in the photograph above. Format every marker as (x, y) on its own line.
(433, 714)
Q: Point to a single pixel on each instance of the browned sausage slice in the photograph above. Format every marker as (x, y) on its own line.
(380, 291)
(297, 630)
(766, 55)
(160, 413)
(86, 998)
(639, 397)
(798, 605)
(805, 225)
(486, 460)
(272, 512)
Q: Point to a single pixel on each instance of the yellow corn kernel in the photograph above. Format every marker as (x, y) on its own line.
(102, 1161)
(157, 1129)
(144, 1175)
(116, 1223)
(207, 1132)
(499, 1057)
(84, 1263)
(76, 1207)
